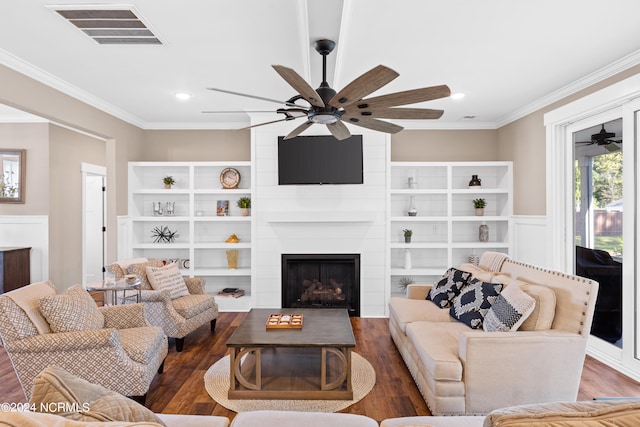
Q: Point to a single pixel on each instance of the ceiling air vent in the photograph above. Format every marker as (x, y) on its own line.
(110, 26)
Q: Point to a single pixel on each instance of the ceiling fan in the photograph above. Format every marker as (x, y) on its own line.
(332, 109)
(603, 138)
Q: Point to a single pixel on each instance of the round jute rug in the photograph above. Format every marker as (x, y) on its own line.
(216, 382)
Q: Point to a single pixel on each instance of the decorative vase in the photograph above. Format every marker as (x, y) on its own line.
(475, 181)
(412, 206)
(407, 259)
(245, 211)
(167, 186)
(407, 239)
(483, 233)
(479, 211)
(232, 259)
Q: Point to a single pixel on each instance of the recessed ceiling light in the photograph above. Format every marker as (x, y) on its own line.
(458, 95)
(183, 96)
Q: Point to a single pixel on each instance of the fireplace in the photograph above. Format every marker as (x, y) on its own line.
(321, 281)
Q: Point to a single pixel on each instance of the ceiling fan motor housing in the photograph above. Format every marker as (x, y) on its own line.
(327, 114)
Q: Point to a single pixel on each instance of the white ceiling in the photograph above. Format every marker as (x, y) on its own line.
(508, 57)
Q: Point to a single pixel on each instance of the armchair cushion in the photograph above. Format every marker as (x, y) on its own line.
(167, 277)
(509, 311)
(192, 305)
(74, 398)
(73, 310)
(474, 301)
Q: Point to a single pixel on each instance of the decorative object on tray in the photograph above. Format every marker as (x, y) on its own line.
(232, 239)
(222, 208)
(475, 181)
(232, 259)
(244, 203)
(230, 178)
(230, 293)
(168, 182)
(412, 206)
(171, 208)
(407, 235)
(483, 233)
(158, 210)
(407, 259)
(479, 204)
(412, 183)
(285, 321)
(162, 234)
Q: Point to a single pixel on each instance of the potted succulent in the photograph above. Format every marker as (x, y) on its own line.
(479, 204)
(168, 181)
(407, 235)
(244, 203)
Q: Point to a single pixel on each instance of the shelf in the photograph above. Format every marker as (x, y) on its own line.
(162, 191)
(419, 218)
(168, 246)
(419, 245)
(221, 272)
(417, 191)
(480, 191)
(236, 191)
(235, 218)
(475, 218)
(328, 216)
(161, 218)
(399, 271)
(479, 245)
(223, 245)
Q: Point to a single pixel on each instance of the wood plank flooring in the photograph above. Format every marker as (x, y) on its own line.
(180, 389)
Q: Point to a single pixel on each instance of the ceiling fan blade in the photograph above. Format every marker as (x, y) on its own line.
(297, 131)
(339, 130)
(407, 97)
(272, 121)
(374, 124)
(362, 86)
(396, 113)
(290, 104)
(300, 85)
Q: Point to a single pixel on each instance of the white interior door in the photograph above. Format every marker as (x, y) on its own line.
(93, 223)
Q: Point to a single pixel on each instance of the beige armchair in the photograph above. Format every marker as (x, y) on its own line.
(123, 353)
(177, 317)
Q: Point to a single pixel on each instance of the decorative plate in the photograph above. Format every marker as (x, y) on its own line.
(230, 178)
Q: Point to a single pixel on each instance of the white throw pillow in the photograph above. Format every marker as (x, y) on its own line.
(168, 277)
(509, 310)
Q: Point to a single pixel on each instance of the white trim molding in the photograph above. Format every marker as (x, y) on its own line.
(28, 231)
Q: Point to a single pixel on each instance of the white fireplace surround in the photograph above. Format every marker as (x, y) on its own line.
(303, 219)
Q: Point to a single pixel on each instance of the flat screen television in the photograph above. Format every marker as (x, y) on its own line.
(320, 160)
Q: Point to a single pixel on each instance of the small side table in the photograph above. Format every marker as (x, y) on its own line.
(121, 285)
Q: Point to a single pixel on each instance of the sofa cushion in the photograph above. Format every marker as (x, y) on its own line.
(192, 305)
(474, 301)
(73, 310)
(567, 414)
(448, 287)
(406, 310)
(167, 277)
(57, 391)
(265, 418)
(542, 315)
(437, 347)
(509, 311)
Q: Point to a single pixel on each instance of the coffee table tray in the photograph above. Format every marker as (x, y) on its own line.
(285, 321)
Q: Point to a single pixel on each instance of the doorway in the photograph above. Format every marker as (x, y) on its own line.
(94, 208)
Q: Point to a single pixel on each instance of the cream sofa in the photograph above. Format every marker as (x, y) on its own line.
(464, 371)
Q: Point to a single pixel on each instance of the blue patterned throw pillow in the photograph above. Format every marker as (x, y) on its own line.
(448, 287)
(474, 302)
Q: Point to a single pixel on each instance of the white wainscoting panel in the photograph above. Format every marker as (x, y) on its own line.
(28, 231)
(530, 239)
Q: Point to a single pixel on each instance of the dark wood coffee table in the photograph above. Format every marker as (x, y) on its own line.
(309, 363)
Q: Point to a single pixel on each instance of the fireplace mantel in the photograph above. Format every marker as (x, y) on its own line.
(315, 216)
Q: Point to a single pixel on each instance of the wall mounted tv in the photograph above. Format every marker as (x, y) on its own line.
(320, 160)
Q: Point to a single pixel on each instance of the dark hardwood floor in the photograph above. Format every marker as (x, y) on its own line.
(180, 389)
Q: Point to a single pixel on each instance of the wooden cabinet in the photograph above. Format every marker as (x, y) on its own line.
(14, 268)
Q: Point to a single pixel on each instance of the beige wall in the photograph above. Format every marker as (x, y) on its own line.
(68, 149)
(33, 137)
(444, 145)
(197, 145)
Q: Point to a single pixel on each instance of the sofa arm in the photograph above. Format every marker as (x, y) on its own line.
(163, 296)
(418, 291)
(195, 285)
(65, 341)
(502, 369)
(124, 316)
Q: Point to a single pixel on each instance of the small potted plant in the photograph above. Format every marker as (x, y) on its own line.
(168, 181)
(404, 282)
(244, 203)
(479, 204)
(407, 235)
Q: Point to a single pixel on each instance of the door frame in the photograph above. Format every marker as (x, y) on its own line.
(87, 169)
(621, 99)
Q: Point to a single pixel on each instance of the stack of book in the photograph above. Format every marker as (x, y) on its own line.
(230, 293)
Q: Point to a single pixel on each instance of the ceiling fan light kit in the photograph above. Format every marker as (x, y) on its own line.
(326, 107)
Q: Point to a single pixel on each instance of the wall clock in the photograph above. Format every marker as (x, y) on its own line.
(230, 178)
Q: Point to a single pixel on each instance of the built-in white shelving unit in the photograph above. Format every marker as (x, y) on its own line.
(201, 233)
(445, 229)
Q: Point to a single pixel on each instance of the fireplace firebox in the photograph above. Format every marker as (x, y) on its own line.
(321, 281)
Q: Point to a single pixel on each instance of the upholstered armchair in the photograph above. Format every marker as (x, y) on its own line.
(177, 316)
(114, 347)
